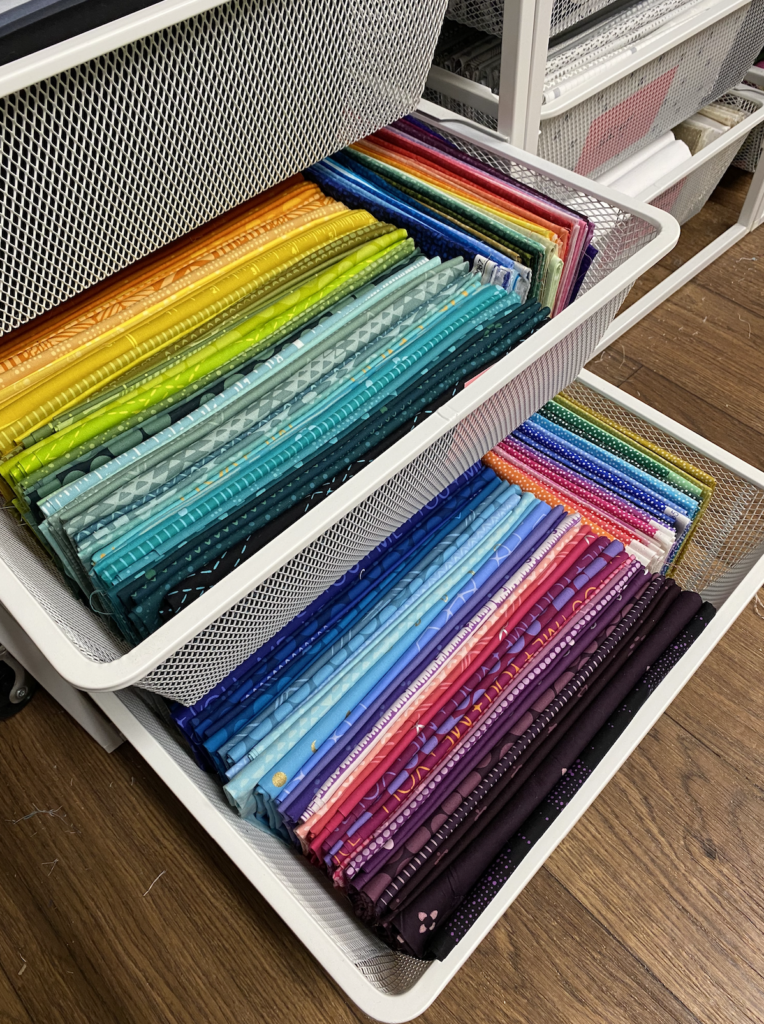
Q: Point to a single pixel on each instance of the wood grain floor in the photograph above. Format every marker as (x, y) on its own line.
(115, 907)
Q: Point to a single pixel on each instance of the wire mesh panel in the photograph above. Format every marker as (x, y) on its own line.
(688, 196)
(488, 15)
(634, 111)
(731, 532)
(109, 161)
(750, 152)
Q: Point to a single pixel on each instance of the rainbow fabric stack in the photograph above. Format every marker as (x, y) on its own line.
(162, 428)
(441, 702)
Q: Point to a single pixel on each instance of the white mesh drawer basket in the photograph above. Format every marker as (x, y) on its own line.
(199, 647)
(488, 15)
(749, 155)
(725, 562)
(683, 70)
(627, 105)
(685, 191)
(107, 160)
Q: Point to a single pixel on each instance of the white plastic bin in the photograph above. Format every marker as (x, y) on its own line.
(725, 561)
(203, 643)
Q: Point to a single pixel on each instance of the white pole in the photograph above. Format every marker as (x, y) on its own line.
(516, 54)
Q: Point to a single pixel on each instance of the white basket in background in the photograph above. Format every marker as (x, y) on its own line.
(204, 642)
(630, 104)
(108, 160)
(686, 190)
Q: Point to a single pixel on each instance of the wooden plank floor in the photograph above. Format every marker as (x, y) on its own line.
(115, 907)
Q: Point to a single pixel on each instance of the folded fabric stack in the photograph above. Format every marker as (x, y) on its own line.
(591, 50)
(162, 428)
(404, 727)
(707, 125)
(611, 476)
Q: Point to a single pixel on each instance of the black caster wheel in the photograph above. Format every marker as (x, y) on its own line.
(17, 687)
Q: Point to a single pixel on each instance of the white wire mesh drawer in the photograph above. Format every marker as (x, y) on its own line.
(691, 185)
(196, 649)
(725, 561)
(615, 121)
(630, 104)
(114, 158)
(488, 15)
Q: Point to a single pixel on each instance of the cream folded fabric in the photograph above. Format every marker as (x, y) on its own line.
(699, 131)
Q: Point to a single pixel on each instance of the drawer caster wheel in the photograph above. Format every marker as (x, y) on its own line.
(17, 687)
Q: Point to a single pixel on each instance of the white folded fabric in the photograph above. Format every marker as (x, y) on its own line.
(637, 158)
(645, 175)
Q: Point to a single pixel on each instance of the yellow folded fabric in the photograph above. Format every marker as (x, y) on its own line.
(52, 360)
(40, 404)
(152, 272)
(249, 336)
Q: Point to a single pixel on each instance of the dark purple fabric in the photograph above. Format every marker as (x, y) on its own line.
(407, 931)
(481, 895)
(437, 826)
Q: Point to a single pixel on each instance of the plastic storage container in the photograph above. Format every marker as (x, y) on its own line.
(108, 160)
(725, 561)
(200, 646)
